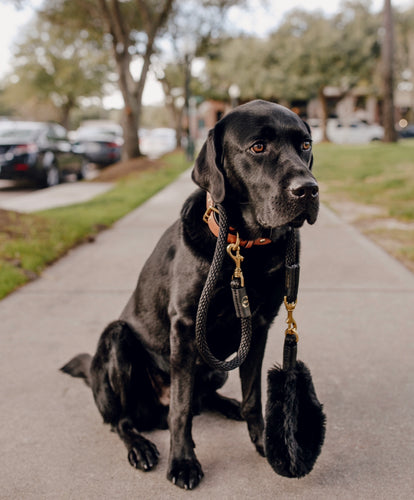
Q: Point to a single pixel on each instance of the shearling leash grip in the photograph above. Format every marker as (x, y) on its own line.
(295, 421)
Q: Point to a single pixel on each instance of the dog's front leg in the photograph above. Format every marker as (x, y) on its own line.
(251, 382)
(184, 469)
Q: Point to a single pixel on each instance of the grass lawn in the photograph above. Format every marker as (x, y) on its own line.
(29, 242)
(373, 186)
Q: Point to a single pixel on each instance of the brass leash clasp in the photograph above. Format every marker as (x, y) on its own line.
(207, 213)
(237, 257)
(292, 326)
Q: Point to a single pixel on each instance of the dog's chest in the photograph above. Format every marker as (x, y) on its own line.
(265, 290)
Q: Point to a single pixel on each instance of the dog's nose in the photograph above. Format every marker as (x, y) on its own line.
(304, 189)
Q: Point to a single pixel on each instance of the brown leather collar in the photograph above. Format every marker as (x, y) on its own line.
(232, 236)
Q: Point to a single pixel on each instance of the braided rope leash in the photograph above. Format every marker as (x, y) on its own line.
(240, 299)
(291, 289)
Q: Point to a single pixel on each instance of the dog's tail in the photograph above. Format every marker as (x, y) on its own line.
(79, 366)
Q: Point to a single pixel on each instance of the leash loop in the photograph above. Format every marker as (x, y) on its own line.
(240, 299)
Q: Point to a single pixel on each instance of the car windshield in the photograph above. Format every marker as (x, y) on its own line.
(20, 133)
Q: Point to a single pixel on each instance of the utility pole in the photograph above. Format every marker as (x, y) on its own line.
(387, 54)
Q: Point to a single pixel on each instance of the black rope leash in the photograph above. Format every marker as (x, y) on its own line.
(291, 290)
(240, 299)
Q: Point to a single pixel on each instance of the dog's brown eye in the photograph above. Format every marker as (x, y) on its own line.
(259, 147)
(306, 145)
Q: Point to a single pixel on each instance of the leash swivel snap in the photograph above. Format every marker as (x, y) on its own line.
(292, 326)
(238, 259)
(238, 290)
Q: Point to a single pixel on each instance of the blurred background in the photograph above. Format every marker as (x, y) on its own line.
(127, 77)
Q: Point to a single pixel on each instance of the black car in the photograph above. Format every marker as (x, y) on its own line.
(407, 132)
(100, 143)
(40, 152)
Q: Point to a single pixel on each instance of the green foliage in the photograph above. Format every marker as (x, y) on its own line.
(376, 174)
(57, 65)
(309, 51)
(243, 61)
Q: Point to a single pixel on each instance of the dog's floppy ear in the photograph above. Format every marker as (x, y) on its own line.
(207, 169)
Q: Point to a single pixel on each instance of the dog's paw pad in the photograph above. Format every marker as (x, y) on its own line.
(185, 473)
(143, 455)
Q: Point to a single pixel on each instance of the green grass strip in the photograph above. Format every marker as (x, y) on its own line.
(29, 242)
(373, 174)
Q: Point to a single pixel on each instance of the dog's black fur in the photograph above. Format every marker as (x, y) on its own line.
(147, 372)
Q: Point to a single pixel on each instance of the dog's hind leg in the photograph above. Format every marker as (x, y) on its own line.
(142, 453)
(124, 393)
(207, 398)
(228, 407)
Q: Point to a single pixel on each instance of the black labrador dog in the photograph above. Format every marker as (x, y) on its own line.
(147, 372)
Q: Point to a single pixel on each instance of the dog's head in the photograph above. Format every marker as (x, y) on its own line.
(257, 162)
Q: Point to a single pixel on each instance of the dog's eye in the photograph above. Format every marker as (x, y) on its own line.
(259, 147)
(306, 145)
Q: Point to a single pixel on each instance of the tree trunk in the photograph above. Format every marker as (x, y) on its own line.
(130, 125)
(130, 121)
(65, 111)
(390, 134)
(132, 90)
(175, 113)
(324, 119)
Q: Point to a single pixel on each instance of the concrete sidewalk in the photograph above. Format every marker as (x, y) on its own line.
(355, 317)
(56, 196)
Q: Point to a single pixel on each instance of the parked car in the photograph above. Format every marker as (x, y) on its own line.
(357, 132)
(38, 151)
(101, 143)
(157, 141)
(407, 132)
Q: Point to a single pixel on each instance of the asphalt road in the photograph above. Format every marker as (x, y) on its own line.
(355, 317)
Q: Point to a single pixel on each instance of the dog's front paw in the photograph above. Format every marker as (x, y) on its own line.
(260, 448)
(143, 454)
(256, 436)
(185, 473)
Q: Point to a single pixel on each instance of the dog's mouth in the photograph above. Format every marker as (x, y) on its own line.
(298, 221)
(271, 221)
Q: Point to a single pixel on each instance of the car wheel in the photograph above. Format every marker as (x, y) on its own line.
(52, 176)
(84, 171)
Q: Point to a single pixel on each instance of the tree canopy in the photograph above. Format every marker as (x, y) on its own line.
(56, 65)
(77, 47)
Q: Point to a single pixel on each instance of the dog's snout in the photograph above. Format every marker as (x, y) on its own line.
(304, 189)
